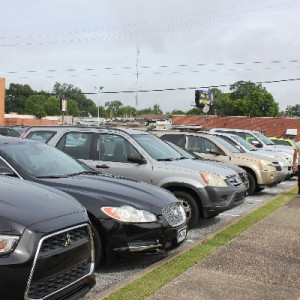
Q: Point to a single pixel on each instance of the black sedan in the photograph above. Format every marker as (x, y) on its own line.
(46, 243)
(127, 216)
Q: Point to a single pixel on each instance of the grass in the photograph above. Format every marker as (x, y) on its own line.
(152, 281)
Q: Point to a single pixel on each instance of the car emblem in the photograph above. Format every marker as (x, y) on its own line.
(68, 240)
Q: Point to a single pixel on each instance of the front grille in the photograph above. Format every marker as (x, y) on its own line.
(234, 180)
(62, 259)
(174, 214)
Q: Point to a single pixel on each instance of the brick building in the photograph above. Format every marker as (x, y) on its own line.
(269, 126)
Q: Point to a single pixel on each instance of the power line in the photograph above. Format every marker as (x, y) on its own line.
(190, 88)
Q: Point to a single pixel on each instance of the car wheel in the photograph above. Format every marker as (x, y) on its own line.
(252, 184)
(190, 207)
(98, 246)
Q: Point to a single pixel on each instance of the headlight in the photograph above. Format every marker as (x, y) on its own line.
(213, 179)
(8, 243)
(129, 214)
(279, 158)
(266, 166)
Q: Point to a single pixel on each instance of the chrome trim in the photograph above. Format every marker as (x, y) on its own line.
(142, 248)
(13, 169)
(26, 297)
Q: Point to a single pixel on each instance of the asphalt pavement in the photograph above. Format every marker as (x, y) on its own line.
(261, 263)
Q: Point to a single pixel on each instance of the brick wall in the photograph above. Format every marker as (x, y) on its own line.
(269, 126)
(29, 122)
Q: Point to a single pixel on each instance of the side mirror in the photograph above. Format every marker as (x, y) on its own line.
(215, 151)
(7, 171)
(257, 144)
(136, 158)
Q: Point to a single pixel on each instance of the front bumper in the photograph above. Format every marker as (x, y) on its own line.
(218, 199)
(143, 238)
(269, 177)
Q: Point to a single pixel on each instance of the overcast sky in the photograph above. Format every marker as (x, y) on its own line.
(169, 44)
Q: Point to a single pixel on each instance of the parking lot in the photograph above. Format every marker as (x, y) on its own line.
(123, 270)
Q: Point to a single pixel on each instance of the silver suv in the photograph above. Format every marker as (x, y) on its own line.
(204, 189)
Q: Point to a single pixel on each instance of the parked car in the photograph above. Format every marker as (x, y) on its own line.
(282, 141)
(260, 169)
(127, 216)
(46, 245)
(283, 158)
(12, 130)
(255, 138)
(203, 189)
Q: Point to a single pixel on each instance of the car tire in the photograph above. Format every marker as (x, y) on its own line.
(252, 184)
(190, 207)
(98, 246)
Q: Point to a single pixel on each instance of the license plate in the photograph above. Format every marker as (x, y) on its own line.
(181, 235)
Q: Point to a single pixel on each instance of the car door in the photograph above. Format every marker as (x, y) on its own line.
(111, 155)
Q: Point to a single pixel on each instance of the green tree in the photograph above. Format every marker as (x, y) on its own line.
(72, 108)
(196, 111)
(293, 111)
(15, 97)
(68, 91)
(113, 106)
(52, 106)
(35, 106)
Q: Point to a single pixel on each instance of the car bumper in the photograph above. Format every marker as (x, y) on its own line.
(268, 178)
(144, 238)
(216, 199)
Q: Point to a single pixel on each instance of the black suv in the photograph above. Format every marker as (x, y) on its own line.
(46, 248)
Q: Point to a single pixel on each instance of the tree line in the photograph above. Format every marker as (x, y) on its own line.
(244, 99)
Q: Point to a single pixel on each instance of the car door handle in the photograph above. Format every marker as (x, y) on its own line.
(104, 166)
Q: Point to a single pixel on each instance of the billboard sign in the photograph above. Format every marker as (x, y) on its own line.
(203, 98)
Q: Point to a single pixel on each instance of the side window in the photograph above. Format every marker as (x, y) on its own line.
(3, 131)
(112, 147)
(41, 136)
(177, 139)
(76, 144)
(199, 144)
(12, 132)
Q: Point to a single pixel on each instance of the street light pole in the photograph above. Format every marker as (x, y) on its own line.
(99, 90)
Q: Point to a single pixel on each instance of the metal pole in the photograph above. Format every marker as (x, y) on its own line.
(99, 90)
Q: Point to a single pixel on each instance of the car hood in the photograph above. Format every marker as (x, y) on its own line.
(202, 165)
(101, 190)
(27, 204)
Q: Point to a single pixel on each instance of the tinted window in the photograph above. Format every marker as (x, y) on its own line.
(177, 139)
(200, 144)
(41, 136)
(76, 144)
(111, 147)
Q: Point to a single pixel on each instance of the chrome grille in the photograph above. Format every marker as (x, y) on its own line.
(174, 214)
(69, 253)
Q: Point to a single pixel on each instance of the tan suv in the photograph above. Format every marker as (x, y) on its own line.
(261, 170)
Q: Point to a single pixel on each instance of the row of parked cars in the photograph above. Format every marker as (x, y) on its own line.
(74, 197)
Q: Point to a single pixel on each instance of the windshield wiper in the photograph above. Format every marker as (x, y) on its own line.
(52, 176)
(90, 172)
(180, 158)
(165, 159)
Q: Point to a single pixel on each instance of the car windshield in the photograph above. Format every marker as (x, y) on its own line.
(157, 148)
(264, 138)
(243, 143)
(41, 160)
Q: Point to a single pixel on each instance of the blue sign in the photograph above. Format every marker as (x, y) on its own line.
(203, 98)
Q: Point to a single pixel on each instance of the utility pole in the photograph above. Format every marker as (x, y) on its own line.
(137, 77)
(98, 102)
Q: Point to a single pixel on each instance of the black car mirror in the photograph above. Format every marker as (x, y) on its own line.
(215, 151)
(136, 158)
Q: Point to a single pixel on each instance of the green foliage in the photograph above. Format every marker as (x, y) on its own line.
(34, 105)
(68, 91)
(150, 111)
(15, 97)
(293, 111)
(246, 99)
(196, 111)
